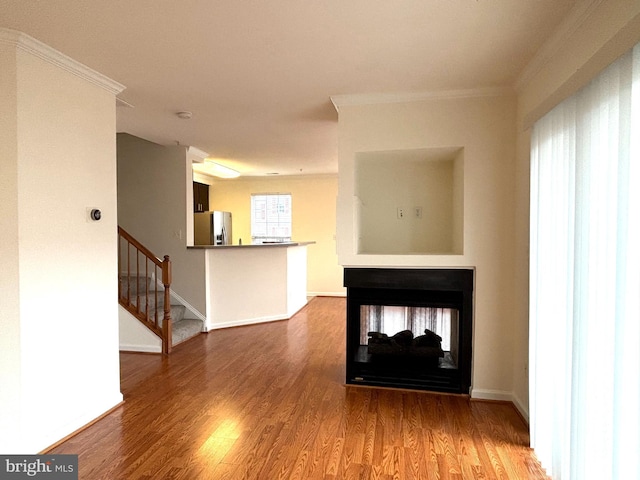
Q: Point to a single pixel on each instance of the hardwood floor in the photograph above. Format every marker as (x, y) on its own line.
(269, 402)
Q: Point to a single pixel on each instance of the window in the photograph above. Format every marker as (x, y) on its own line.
(270, 217)
(584, 321)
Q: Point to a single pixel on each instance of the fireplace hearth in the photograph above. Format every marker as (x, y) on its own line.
(410, 328)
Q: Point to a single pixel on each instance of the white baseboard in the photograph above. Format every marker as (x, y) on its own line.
(485, 394)
(521, 408)
(326, 294)
(248, 321)
(84, 419)
(501, 395)
(192, 311)
(140, 348)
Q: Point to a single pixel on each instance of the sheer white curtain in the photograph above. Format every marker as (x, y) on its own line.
(585, 280)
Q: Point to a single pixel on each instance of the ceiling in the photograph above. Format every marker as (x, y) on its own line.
(258, 75)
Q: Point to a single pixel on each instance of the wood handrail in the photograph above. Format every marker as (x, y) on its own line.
(148, 253)
(147, 313)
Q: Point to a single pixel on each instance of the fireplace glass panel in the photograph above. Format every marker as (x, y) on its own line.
(382, 321)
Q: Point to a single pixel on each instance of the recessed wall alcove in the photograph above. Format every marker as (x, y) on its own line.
(410, 202)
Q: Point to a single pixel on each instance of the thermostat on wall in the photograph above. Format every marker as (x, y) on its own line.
(93, 214)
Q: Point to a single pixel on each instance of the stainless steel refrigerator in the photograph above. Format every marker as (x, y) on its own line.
(212, 228)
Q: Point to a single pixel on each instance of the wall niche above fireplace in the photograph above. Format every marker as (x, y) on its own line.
(421, 209)
(410, 328)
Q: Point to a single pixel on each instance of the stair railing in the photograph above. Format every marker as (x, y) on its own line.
(138, 290)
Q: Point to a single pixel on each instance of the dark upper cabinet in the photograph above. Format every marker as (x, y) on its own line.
(200, 197)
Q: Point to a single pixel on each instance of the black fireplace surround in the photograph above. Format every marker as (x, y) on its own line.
(444, 289)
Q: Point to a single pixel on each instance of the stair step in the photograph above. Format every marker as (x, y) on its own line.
(185, 329)
(135, 284)
(177, 314)
(177, 311)
(181, 328)
(147, 299)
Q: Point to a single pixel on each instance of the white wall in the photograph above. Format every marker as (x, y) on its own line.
(152, 206)
(10, 362)
(485, 127)
(59, 363)
(458, 203)
(134, 336)
(591, 38)
(587, 41)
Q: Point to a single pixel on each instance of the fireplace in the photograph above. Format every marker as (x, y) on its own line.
(409, 328)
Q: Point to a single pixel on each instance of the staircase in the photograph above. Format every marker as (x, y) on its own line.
(144, 291)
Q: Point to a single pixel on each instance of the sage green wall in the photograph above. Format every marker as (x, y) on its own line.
(313, 219)
(152, 206)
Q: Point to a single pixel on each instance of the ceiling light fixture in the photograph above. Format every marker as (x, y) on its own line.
(210, 167)
(184, 115)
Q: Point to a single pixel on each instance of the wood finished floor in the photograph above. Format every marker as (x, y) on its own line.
(269, 402)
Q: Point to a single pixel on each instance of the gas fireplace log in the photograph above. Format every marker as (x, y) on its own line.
(404, 344)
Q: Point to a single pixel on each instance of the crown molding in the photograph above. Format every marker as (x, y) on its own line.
(196, 155)
(30, 45)
(409, 97)
(567, 28)
(123, 103)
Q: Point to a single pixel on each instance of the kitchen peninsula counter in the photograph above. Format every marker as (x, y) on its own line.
(257, 245)
(254, 283)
